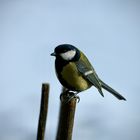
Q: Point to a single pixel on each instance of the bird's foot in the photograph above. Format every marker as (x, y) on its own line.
(67, 96)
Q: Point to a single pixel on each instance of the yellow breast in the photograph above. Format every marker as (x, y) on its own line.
(71, 75)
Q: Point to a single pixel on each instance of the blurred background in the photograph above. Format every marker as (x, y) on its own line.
(108, 32)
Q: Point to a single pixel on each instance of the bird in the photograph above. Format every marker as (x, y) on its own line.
(75, 72)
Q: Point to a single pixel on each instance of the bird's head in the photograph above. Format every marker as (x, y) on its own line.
(66, 52)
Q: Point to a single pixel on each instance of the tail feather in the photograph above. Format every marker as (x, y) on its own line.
(112, 91)
(101, 92)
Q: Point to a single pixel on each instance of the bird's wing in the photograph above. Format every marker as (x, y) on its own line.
(88, 72)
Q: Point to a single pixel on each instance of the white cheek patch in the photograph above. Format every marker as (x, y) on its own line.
(68, 55)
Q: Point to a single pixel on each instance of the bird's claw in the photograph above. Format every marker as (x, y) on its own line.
(67, 96)
(78, 98)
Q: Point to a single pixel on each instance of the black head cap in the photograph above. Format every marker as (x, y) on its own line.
(64, 48)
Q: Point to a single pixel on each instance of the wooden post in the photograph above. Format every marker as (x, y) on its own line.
(66, 120)
(43, 112)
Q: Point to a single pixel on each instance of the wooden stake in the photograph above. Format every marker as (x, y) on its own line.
(66, 120)
(43, 112)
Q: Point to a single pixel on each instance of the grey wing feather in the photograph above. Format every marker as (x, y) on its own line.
(88, 72)
(92, 77)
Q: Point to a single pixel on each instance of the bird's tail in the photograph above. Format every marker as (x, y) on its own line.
(112, 91)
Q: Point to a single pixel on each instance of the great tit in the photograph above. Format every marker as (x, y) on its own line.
(76, 73)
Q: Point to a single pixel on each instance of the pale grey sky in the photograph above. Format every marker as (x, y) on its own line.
(108, 32)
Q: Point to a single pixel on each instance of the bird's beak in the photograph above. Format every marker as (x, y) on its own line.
(53, 54)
